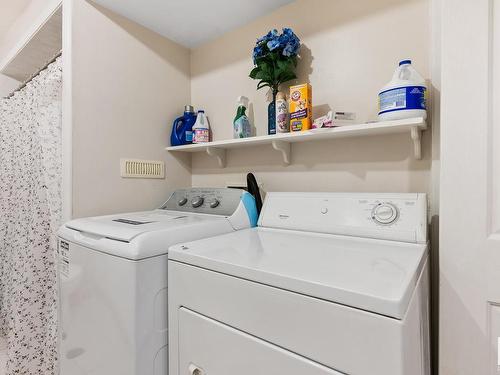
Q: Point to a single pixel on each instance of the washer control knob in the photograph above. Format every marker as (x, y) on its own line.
(197, 202)
(385, 213)
(214, 203)
(183, 201)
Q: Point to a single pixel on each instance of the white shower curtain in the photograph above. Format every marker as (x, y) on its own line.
(30, 213)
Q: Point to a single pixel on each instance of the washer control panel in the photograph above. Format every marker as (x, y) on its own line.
(197, 201)
(217, 201)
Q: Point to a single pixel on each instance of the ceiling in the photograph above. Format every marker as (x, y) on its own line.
(192, 22)
(10, 10)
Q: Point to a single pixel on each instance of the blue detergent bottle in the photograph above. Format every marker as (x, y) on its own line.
(182, 128)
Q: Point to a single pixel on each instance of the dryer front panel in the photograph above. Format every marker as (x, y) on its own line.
(209, 347)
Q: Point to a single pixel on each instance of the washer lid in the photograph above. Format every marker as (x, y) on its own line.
(125, 227)
(373, 275)
(142, 235)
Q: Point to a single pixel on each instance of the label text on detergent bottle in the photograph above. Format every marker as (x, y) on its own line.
(201, 136)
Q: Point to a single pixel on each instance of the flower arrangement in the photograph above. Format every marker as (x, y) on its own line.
(275, 58)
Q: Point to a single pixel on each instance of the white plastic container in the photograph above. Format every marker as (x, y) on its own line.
(404, 96)
(201, 129)
(282, 120)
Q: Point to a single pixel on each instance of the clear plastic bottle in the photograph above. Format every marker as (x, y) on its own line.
(404, 96)
(241, 124)
(201, 128)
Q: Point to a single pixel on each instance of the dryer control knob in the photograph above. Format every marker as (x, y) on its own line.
(385, 213)
(183, 201)
(197, 202)
(214, 203)
(195, 370)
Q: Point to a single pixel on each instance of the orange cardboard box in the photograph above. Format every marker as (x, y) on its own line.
(300, 107)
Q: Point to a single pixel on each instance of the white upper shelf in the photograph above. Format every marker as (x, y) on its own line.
(281, 142)
(40, 45)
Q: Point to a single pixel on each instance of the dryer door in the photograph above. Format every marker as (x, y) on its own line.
(207, 347)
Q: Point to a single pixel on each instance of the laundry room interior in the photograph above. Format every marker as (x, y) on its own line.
(261, 187)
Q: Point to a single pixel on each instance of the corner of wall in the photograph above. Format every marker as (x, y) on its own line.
(143, 82)
(67, 107)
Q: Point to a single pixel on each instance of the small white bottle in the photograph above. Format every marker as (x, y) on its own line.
(404, 96)
(201, 128)
(282, 121)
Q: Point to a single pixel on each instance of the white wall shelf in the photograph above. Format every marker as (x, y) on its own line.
(39, 47)
(282, 142)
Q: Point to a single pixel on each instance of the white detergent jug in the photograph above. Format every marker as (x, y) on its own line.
(201, 128)
(404, 96)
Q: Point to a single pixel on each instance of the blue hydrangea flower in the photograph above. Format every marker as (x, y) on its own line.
(291, 48)
(288, 50)
(286, 44)
(273, 44)
(283, 39)
(270, 35)
(272, 47)
(290, 42)
(261, 39)
(257, 52)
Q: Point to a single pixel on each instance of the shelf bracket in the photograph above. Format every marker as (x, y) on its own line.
(218, 153)
(417, 142)
(284, 148)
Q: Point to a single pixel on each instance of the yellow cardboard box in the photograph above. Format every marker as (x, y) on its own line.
(300, 107)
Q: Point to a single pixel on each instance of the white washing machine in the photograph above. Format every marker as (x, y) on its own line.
(113, 279)
(326, 284)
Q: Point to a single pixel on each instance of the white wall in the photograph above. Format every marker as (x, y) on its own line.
(7, 85)
(127, 86)
(350, 50)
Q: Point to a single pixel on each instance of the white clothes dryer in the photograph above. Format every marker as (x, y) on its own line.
(328, 283)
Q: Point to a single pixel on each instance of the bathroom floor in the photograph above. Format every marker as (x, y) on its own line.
(3, 355)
